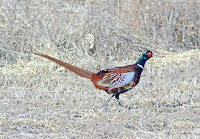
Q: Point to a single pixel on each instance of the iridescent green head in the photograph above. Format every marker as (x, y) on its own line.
(147, 54)
(144, 57)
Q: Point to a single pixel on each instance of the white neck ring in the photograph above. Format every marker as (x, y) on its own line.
(140, 66)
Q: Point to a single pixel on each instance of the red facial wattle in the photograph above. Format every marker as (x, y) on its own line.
(149, 54)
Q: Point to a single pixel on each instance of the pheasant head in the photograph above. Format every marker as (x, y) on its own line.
(143, 58)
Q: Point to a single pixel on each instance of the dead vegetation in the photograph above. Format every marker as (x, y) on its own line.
(41, 99)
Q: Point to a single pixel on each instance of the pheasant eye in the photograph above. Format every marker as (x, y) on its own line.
(149, 54)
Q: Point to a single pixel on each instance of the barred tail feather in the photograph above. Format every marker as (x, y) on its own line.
(79, 71)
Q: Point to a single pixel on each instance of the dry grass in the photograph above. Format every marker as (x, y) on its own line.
(39, 99)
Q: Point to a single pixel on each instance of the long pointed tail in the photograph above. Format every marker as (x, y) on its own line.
(79, 71)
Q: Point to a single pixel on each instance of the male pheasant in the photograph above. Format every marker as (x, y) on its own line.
(114, 81)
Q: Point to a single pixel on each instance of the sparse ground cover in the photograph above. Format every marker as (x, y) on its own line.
(39, 99)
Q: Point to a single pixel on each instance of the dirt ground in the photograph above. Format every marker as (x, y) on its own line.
(167, 108)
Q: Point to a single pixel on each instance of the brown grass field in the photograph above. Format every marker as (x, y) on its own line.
(39, 99)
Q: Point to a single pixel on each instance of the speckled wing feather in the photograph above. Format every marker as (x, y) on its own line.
(116, 78)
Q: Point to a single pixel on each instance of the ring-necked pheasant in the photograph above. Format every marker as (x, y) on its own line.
(114, 81)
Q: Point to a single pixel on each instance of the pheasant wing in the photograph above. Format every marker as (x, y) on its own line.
(116, 78)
